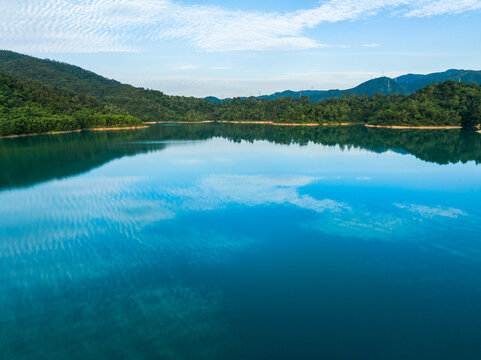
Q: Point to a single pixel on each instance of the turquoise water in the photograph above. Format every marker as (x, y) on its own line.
(241, 242)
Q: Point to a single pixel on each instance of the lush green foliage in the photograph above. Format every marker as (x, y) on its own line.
(27, 107)
(444, 104)
(149, 105)
(447, 103)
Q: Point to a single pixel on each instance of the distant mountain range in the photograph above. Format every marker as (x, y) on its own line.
(402, 85)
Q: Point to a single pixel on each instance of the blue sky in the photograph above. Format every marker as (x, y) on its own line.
(229, 48)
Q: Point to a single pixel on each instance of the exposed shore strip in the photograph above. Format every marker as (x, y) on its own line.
(400, 127)
(117, 128)
(286, 124)
(179, 122)
(250, 122)
(396, 127)
(414, 127)
(74, 131)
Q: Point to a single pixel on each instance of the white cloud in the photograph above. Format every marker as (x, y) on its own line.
(441, 7)
(430, 212)
(131, 211)
(122, 25)
(373, 45)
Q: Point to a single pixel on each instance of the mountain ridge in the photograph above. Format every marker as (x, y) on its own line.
(401, 85)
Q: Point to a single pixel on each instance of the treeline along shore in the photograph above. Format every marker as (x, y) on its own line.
(38, 96)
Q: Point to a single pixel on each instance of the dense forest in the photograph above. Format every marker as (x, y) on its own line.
(43, 95)
(443, 104)
(27, 107)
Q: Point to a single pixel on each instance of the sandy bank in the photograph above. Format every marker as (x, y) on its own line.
(284, 124)
(36, 134)
(250, 122)
(178, 122)
(73, 131)
(414, 127)
(117, 128)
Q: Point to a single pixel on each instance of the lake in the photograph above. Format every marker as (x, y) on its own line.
(241, 242)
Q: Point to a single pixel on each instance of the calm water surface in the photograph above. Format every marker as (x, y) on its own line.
(241, 242)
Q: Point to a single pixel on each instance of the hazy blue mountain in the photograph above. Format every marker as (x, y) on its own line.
(405, 85)
(213, 99)
(414, 82)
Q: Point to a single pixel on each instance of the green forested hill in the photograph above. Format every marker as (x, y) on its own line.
(148, 105)
(27, 106)
(55, 73)
(443, 104)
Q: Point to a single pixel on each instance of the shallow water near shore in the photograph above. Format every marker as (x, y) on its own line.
(209, 241)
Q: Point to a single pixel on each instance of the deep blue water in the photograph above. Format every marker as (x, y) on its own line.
(167, 245)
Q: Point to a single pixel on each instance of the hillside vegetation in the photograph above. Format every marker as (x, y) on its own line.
(149, 105)
(27, 107)
(444, 104)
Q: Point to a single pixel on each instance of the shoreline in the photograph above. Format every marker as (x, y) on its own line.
(73, 131)
(117, 128)
(146, 125)
(396, 127)
(400, 127)
(286, 124)
(178, 122)
(250, 122)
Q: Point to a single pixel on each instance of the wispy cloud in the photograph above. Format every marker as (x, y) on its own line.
(132, 212)
(123, 25)
(373, 45)
(430, 212)
(441, 7)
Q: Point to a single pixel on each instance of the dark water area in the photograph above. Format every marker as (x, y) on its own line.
(241, 242)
